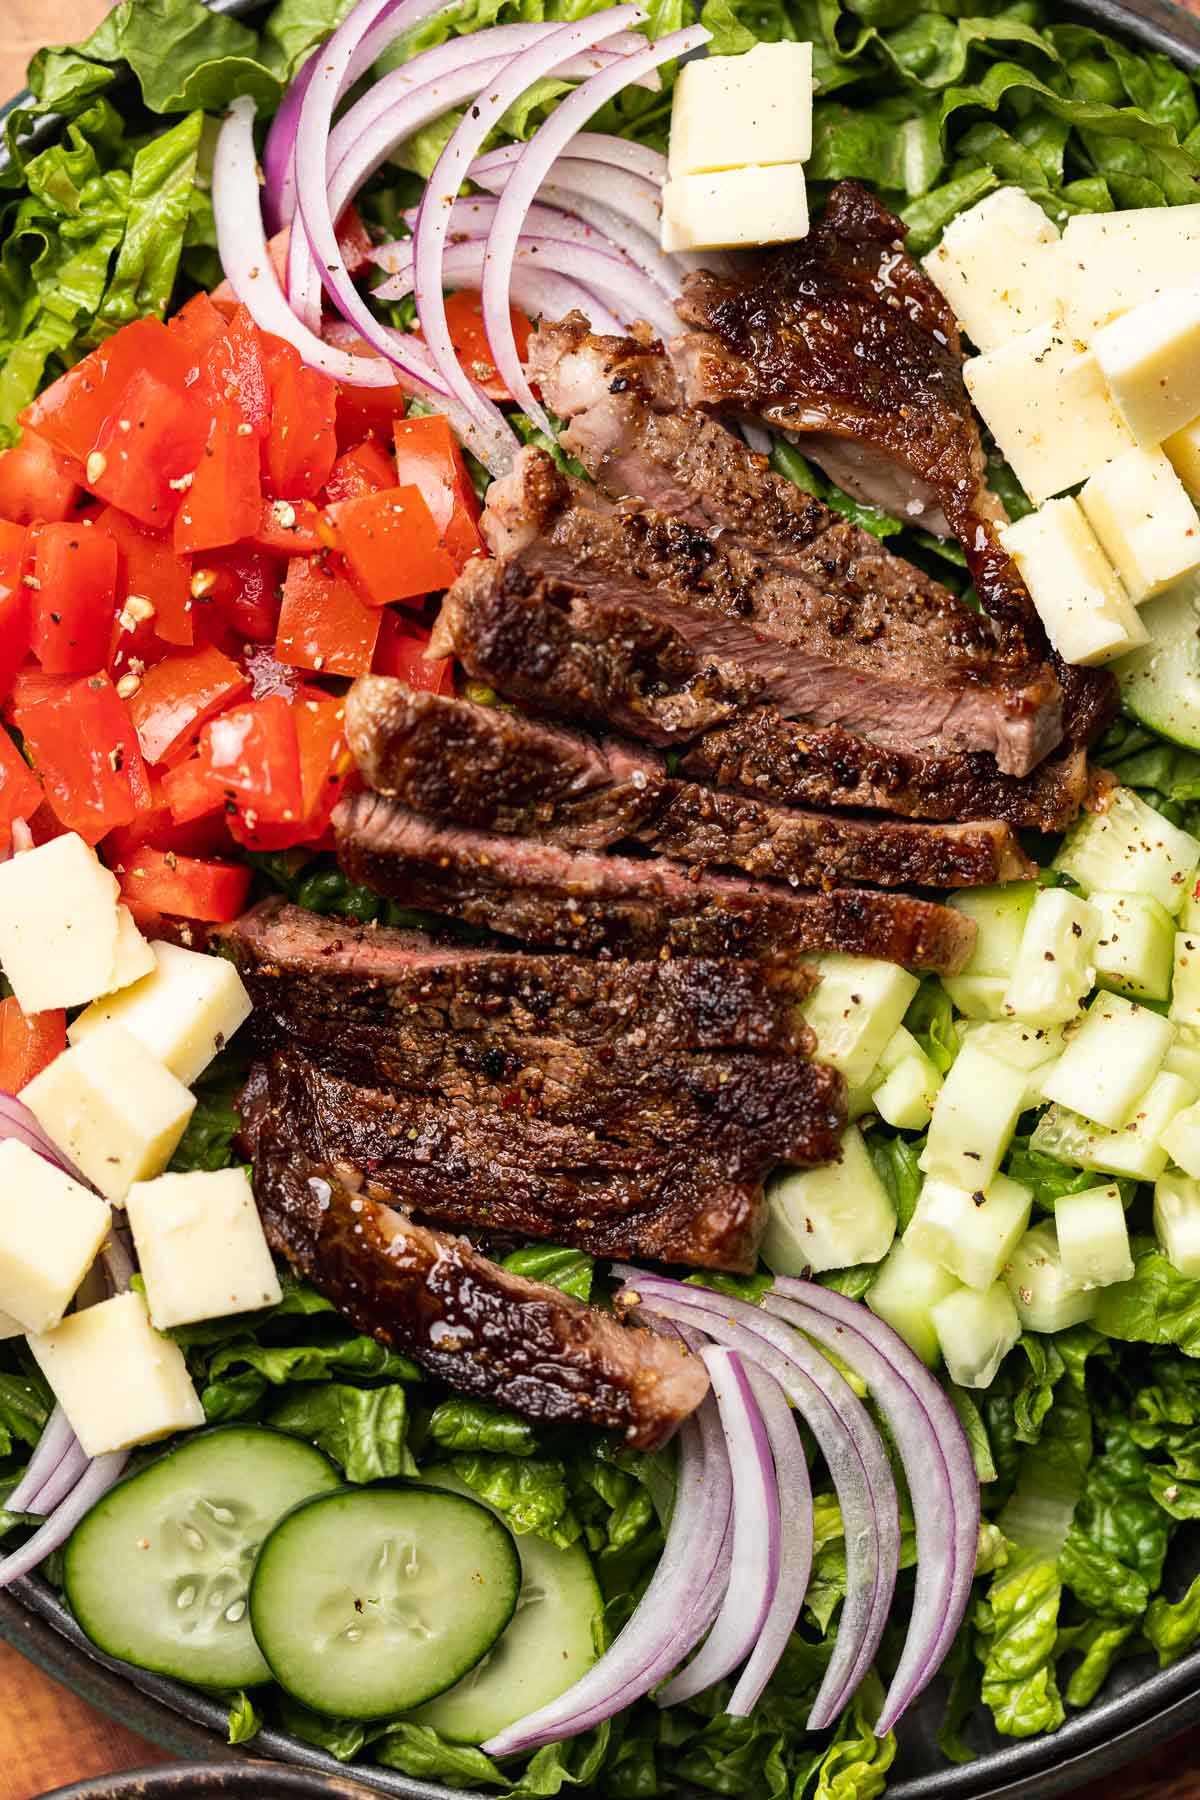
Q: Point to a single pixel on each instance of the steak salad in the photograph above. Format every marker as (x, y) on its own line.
(599, 869)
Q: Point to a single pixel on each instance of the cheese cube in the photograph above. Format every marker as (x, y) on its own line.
(735, 209)
(186, 1010)
(1147, 526)
(51, 1229)
(201, 1247)
(58, 924)
(112, 1109)
(116, 1379)
(1151, 361)
(999, 265)
(9, 1328)
(1047, 405)
(1183, 452)
(133, 957)
(1113, 261)
(1111, 1060)
(731, 111)
(1087, 614)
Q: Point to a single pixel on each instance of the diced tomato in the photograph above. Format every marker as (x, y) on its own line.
(156, 825)
(323, 624)
(186, 886)
(391, 545)
(267, 674)
(251, 757)
(224, 502)
(177, 696)
(242, 586)
(428, 458)
(16, 603)
(73, 411)
(82, 743)
(20, 789)
(197, 325)
(28, 1043)
(30, 687)
(325, 764)
(75, 595)
(37, 482)
(367, 469)
(150, 569)
(147, 449)
(401, 652)
(354, 241)
(189, 792)
(234, 373)
(302, 446)
(289, 528)
(464, 318)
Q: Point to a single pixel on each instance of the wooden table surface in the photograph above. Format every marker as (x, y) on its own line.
(47, 1736)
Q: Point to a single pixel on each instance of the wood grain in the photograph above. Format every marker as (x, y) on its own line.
(25, 25)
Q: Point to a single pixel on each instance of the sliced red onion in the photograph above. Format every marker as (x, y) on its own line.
(53, 1445)
(937, 1463)
(279, 151)
(796, 1537)
(617, 214)
(673, 1613)
(755, 1550)
(464, 145)
(95, 1481)
(596, 146)
(536, 286)
(472, 219)
(62, 1480)
(520, 191)
(850, 1444)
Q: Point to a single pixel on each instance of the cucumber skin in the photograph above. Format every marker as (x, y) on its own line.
(1160, 683)
(251, 1673)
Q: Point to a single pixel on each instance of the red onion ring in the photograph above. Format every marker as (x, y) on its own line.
(95, 1481)
(541, 291)
(600, 199)
(56, 1440)
(596, 146)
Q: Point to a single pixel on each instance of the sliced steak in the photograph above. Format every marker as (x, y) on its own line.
(842, 339)
(675, 1201)
(480, 1328)
(639, 907)
(761, 753)
(487, 767)
(827, 625)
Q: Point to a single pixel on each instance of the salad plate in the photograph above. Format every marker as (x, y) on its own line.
(1134, 1704)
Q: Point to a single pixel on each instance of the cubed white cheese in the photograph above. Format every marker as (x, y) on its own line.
(1183, 450)
(1046, 403)
(1113, 261)
(133, 957)
(201, 1247)
(735, 209)
(731, 111)
(112, 1109)
(186, 1010)
(1151, 361)
(59, 925)
(51, 1229)
(999, 264)
(1147, 526)
(1111, 1060)
(1087, 614)
(118, 1381)
(9, 1327)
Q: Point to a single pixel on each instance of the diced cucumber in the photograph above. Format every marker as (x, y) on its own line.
(829, 1218)
(1134, 1149)
(1043, 1293)
(1189, 917)
(157, 1572)
(372, 1600)
(1130, 849)
(905, 1097)
(549, 1643)
(1030, 1048)
(854, 1010)
(1181, 1140)
(976, 1332)
(977, 996)
(1177, 1222)
(904, 1293)
(899, 1047)
(1135, 946)
(1183, 1058)
(1185, 979)
(970, 1234)
(1111, 1060)
(974, 1119)
(1093, 1238)
(1054, 966)
(999, 914)
(1160, 681)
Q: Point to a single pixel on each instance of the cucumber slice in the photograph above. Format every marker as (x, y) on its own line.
(1044, 1294)
(974, 1118)
(829, 1218)
(999, 914)
(854, 1010)
(549, 1644)
(904, 1293)
(1185, 979)
(1111, 1060)
(1093, 1238)
(976, 1332)
(1177, 1222)
(1131, 849)
(1136, 946)
(1131, 1149)
(157, 1572)
(1160, 681)
(1055, 964)
(972, 1234)
(372, 1600)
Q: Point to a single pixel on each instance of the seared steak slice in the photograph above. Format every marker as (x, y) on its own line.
(294, 961)
(787, 759)
(482, 1329)
(842, 339)
(641, 907)
(674, 1201)
(483, 766)
(827, 625)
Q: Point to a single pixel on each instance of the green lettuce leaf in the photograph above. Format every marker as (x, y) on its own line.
(570, 1270)
(1173, 1626)
(363, 1429)
(531, 1493)
(468, 1425)
(1157, 1306)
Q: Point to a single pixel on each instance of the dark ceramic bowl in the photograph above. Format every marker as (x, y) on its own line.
(1138, 1708)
